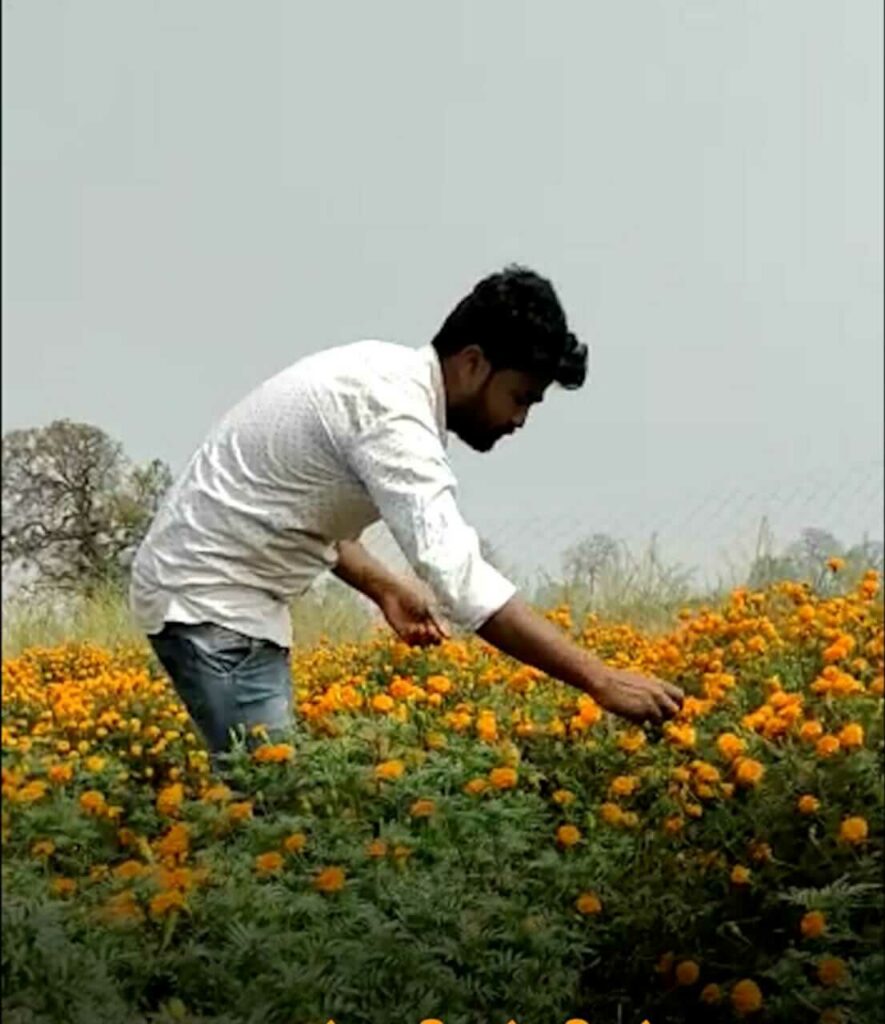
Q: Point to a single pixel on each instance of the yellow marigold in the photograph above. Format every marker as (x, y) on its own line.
(166, 902)
(611, 813)
(623, 785)
(43, 848)
(422, 808)
(680, 735)
(389, 770)
(95, 763)
(631, 741)
(175, 843)
(383, 703)
(268, 863)
(129, 869)
(747, 771)
(376, 848)
(813, 924)
(240, 811)
(567, 835)
(169, 799)
(503, 778)
(588, 903)
(827, 746)
(63, 886)
(329, 880)
(851, 736)
(810, 731)
(92, 802)
(217, 794)
(60, 774)
(295, 843)
(854, 830)
(740, 875)
(808, 804)
(563, 797)
(835, 563)
(438, 684)
(832, 970)
(273, 753)
(687, 972)
(711, 994)
(729, 745)
(476, 786)
(746, 997)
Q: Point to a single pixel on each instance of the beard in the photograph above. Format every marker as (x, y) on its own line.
(472, 428)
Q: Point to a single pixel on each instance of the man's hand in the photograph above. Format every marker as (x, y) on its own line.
(635, 697)
(411, 616)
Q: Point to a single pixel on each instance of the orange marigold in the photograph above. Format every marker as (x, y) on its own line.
(329, 880)
(568, 835)
(746, 997)
(854, 830)
(503, 778)
(832, 970)
(588, 903)
(813, 924)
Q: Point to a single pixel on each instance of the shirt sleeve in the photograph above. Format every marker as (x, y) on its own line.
(401, 461)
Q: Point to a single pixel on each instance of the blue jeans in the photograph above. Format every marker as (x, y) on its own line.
(229, 682)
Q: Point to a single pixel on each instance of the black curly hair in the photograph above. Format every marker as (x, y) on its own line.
(515, 317)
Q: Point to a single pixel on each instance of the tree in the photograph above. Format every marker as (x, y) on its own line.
(74, 506)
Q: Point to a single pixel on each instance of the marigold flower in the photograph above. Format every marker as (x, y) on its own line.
(748, 772)
(422, 808)
(382, 703)
(810, 731)
(43, 848)
(62, 886)
(832, 970)
(377, 848)
(808, 804)
(568, 835)
(813, 924)
(827, 746)
(59, 774)
(687, 972)
(563, 797)
(851, 736)
(503, 778)
(711, 994)
(588, 903)
(746, 997)
(92, 802)
(611, 813)
(729, 745)
(389, 770)
(275, 753)
(167, 902)
(623, 785)
(740, 875)
(268, 863)
(631, 741)
(240, 810)
(169, 799)
(835, 564)
(330, 879)
(476, 786)
(295, 842)
(854, 830)
(129, 869)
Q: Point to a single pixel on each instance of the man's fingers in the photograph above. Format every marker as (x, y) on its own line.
(439, 624)
(669, 705)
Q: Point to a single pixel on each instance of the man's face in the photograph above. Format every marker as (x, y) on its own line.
(496, 405)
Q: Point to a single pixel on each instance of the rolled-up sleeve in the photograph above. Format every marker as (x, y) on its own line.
(402, 463)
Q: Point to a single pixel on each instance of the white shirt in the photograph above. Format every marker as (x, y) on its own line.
(312, 456)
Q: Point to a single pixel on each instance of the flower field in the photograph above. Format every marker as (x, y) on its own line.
(447, 834)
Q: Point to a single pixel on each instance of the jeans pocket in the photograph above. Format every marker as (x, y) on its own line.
(224, 649)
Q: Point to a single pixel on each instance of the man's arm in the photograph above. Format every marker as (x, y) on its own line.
(517, 630)
(407, 609)
(361, 571)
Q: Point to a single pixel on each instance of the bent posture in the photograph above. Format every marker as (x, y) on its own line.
(284, 485)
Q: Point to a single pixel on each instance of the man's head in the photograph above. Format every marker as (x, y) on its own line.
(500, 348)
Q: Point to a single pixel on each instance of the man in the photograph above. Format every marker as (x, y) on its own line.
(286, 482)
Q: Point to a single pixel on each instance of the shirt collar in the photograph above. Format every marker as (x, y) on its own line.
(438, 390)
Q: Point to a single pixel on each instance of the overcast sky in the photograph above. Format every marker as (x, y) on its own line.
(198, 192)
